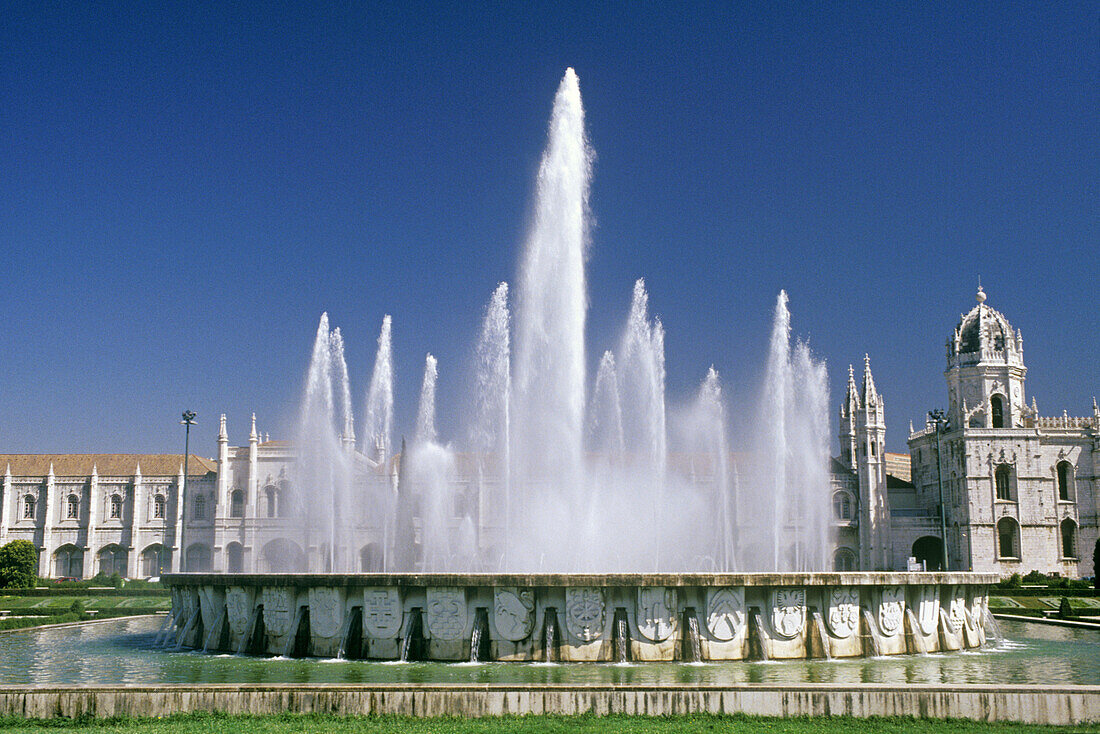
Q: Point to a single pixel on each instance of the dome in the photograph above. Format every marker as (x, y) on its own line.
(985, 333)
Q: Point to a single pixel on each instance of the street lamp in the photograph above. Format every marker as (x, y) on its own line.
(187, 422)
(939, 419)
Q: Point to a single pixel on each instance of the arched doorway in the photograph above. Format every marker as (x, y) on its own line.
(929, 550)
(68, 562)
(282, 556)
(198, 558)
(234, 558)
(155, 560)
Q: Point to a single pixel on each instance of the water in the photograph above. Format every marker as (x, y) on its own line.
(635, 481)
(124, 652)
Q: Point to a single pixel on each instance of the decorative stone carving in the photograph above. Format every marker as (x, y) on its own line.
(277, 603)
(956, 612)
(326, 611)
(382, 613)
(584, 612)
(788, 611)
(446, 612)
(656, 612)
(238, 604)
(891, 609)
(725, 612)
(843, 611)
(513, 612)
(928, 609)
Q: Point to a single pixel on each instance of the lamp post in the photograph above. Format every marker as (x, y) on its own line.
(940, 421)
(187, 422)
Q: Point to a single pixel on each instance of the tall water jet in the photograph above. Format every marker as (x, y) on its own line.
(711, 417)
(379, 412)
(809, 449)
(490, 437)
(605, 422)
(319, 452)
(425, 413)
(641, 369)
(777, 393)
(342, 386)
(549, 376)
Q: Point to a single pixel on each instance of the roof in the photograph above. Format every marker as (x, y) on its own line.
(110, 465)
(899, 465)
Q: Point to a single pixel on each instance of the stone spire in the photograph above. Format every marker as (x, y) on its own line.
(870, 394)
(851, 399)
(253, 436)
(223, 434)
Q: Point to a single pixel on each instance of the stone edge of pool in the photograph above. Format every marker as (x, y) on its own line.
(1054, 705)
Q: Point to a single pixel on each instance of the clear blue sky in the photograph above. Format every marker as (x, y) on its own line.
(185, 188)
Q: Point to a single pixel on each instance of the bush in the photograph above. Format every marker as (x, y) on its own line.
(18, 565)
(1096, 565)
(77, 608)
(1012, 582)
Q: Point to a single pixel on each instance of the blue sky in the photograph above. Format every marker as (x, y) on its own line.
(187, 186)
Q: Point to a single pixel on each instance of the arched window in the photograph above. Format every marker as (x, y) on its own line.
(1065, 480)
(997, 412)
(155, 560)
(116, 506)
(842, 505)
(28, 507)
(112, 559)
(68, 562)
(72, 505)
(370, 558)
(198, 558)
(285, 501)
(236, 503)
(200, 508)
(234, 558)
(1008, 538)
(1003, 479)
(1069, 538)
(844, 560)
(158, 510)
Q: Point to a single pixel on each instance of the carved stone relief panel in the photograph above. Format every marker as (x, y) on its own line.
(326, 611)
(788, 611)
(277, 603)
(843, 616)
(656, 612)
(956, 611)
(513, 612)
(584, 612)
(891, 610)
(238, 604)
(928, 609)
(382, 613)
(446, 612)
(725, 612)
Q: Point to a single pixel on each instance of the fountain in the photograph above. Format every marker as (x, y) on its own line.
(561, 527)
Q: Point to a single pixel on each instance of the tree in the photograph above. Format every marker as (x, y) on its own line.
(18, 565)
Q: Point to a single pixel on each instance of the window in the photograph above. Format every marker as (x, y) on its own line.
(1069, 539)
(158, 510)
(112, 559)
(73, 507)
(997, 411)
(68, 562)
(28, 507)
(155, 560)
(844, 560)
(1008, 532)
(1065, 478)
(270, 494)
(1003, 479)
(236, 503)
(200, 508)
(842, 506)
(116, 506)
(872, 448)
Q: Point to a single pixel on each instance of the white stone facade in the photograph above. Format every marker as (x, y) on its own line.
(1020, 490)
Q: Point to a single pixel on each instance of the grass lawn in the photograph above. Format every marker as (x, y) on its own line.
(322, 724)
(56, 604)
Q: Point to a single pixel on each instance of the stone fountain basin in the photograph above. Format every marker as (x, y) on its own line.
(575, 617)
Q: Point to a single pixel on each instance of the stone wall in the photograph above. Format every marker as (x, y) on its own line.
(1057, 705)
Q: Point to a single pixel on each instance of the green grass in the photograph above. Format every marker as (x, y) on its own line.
(323, 724)
(18, 604)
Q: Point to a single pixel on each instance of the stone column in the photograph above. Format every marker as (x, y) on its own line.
(177, 537)
(136, 521)
(93, 522)
(8, 505)
(47, 525)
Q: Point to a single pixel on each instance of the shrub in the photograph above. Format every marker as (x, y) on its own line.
(1096, 565)
(18, 565)
(77, 608)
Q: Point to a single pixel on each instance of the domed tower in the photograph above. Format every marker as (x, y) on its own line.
(985, 370)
